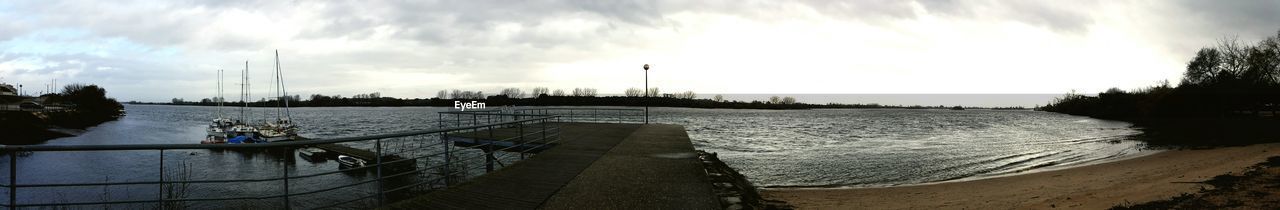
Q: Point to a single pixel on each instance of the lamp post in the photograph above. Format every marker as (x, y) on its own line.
(646, 93)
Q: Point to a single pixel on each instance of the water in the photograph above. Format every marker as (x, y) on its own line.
(883, 147)
(152, 124)
(838, 147)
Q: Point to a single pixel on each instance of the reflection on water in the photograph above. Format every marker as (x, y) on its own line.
(772, 147)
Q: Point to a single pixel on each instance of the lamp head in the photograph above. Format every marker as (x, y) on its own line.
(646, 67)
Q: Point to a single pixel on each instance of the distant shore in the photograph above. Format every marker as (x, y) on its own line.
(495, 101)
(1143, 179)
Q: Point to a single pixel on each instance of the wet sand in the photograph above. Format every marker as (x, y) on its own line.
(1138, 180)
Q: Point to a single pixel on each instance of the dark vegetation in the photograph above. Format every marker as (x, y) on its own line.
(1259, 188)
(78, 106)
(87, 105)
(1229, 95)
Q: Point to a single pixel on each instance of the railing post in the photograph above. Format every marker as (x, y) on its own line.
(160, 192)
(444, 138)
(378, 159)
(488, 158)
(13, 179)
(284, 169)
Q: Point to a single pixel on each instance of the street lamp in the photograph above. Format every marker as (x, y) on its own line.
(646, 93)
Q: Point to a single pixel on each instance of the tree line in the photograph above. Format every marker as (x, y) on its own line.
(1229, 88)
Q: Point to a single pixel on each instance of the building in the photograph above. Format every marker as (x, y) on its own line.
(8, 90)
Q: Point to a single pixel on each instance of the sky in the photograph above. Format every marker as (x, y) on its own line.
(158, 50)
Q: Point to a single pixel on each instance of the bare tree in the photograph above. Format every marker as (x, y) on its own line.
(512, 93)
(788, 100)
(634, 92)
(1234, 56)
(539, 91)
(653, 91)
(718, 98)
(442, 94)
(685, 95)
(774, 99)
(584, 92)
(456, 94)
(558, 92)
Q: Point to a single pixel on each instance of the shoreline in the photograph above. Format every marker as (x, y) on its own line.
(976, 178)
(1150, 177)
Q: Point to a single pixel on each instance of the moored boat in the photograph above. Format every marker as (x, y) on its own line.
(282, 129)
(218, 130)
(350, 162)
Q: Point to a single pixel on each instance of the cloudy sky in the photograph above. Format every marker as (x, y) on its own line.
(157, 50)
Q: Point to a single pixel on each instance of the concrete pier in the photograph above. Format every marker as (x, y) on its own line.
(597, 166)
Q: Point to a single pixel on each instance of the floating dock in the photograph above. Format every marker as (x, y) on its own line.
(367, 156)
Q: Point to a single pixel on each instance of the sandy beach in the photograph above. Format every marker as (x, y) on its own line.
(1100, 186)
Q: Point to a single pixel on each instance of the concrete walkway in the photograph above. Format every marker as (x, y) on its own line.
(599, 166)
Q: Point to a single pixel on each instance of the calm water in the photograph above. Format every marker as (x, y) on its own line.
(772, 147)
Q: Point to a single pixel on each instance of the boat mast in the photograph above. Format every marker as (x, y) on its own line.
(244, 91)
(219, 98)
(275, 85)
(283, 92)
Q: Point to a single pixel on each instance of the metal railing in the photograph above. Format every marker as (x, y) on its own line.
(589, 115)
(404, 164)
(597, 115)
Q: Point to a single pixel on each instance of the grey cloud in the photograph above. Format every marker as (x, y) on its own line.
(154, 24)
(1245, 17)
(1057, 15)
(466, 32)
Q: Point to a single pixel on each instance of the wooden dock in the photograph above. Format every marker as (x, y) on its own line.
(597, 166)
(348, 151)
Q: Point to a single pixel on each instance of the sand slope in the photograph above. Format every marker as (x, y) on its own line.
(1153, 177)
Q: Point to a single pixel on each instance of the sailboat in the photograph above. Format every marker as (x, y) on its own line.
(216, 132)
(240, 131)
(282, 128)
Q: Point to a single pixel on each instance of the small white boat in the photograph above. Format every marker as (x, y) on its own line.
(350, 162)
